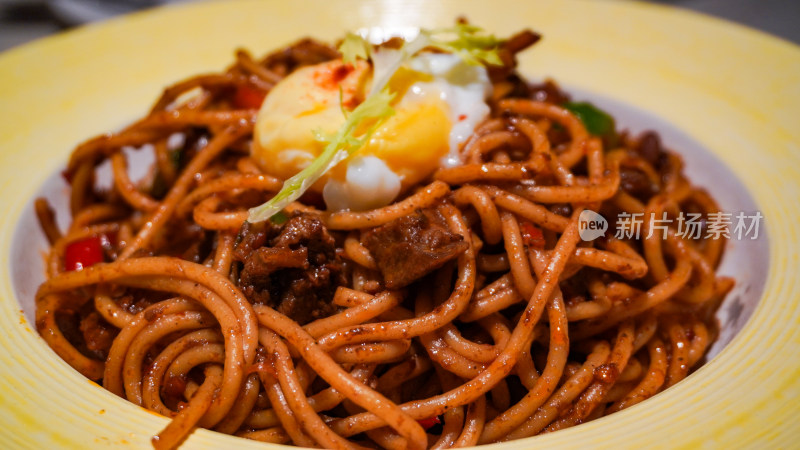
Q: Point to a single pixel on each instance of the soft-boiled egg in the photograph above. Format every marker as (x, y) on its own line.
(440, 100)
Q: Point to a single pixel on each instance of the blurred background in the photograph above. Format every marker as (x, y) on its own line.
(25, 20)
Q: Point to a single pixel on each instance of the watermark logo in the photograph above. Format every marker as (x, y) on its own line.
(715, 225)
(591, 225)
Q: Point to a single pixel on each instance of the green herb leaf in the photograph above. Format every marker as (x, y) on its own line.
(469, 43)
(596, 121)
(279, 218)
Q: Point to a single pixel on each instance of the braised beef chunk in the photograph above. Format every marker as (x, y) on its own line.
(412, 246)
(293, 268)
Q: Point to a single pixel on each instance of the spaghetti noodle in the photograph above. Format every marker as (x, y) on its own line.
(301, 332)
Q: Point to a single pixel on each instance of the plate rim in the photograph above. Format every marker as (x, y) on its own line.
(767, 313)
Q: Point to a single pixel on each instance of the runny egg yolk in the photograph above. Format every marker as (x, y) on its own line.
(436, 109)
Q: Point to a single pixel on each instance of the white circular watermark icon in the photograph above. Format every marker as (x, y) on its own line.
(591, 225)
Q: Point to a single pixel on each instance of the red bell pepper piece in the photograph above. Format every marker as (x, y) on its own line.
(531, 235)
(429, 422)
(248, 97)
(83, 253)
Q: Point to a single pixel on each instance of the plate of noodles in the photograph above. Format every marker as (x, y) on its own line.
(394, 225)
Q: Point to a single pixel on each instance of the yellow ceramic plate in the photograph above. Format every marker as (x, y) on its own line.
(734, 91)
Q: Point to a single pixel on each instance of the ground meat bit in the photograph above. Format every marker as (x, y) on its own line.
(174, 386)
(650, 148)
(636, 183)
(606, 373)
(412, 246)
(253, 236)
(562, 209)
(97, 333)
(186, 241)
(548, 92)
(86, 330)
(304, 52)
(508, 54)
(293, 268)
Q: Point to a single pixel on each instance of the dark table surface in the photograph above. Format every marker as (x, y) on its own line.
(24, 20)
